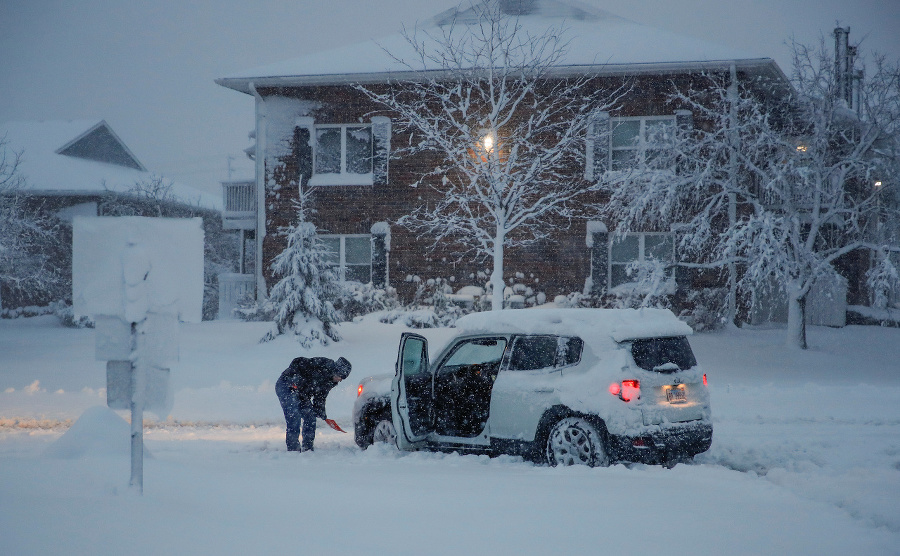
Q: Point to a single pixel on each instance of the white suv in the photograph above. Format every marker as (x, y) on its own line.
(560, 386)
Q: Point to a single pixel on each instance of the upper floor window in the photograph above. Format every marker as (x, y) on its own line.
(636, 141)
(342, 155)
(351, 256)
(638, 248)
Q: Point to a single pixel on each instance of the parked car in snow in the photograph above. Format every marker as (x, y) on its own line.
(558, 386)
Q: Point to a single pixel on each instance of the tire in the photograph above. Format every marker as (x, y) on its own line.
(575, 441)
(367, 424)
(384, 433)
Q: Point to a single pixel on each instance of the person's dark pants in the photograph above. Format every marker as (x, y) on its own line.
(298, 417)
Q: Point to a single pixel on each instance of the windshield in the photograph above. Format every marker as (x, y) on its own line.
(663, 355)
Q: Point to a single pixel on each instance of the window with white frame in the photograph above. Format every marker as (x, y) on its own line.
(635, 141)
(343, 154)
(638, 247)
(351, 256)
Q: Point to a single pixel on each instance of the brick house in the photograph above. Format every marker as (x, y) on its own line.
(315, 130)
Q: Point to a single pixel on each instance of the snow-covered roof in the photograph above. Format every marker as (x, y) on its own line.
(599, 43)
(70, 157)
(618, 324)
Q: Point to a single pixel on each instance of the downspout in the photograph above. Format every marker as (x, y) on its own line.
(261, 292)
(732, 198)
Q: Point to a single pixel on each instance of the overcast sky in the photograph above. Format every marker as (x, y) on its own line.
(148, 67)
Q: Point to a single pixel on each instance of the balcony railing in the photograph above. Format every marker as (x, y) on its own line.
(240, 205)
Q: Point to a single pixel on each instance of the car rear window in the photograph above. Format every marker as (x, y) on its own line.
(663, 354)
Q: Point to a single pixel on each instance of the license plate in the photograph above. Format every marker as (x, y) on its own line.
(675, 395)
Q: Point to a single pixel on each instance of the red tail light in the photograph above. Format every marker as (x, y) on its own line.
(359, 391)
(627, 390)
(704, 380)
(631, 390)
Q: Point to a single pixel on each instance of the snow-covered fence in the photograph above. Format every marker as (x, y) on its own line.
(232, 289)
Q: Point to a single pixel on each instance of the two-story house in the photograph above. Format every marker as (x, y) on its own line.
(316, 130)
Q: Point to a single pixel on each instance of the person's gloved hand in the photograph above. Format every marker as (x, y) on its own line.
(334, 425)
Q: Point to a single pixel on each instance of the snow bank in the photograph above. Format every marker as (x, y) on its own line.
(98, 432)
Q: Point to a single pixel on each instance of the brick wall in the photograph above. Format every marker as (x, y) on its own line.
(556, 266)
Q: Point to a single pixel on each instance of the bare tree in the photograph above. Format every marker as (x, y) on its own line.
(805, 181)
(507, 133)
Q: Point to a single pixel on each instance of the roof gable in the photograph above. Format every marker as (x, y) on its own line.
(101, 144)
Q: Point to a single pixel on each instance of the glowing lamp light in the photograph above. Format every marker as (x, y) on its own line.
(488, 143)
(878, 183)
(359, 391)
(802, 148)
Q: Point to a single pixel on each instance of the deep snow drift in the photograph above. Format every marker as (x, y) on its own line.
(805, 459)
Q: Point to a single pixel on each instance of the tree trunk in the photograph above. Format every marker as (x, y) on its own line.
(497, 284)
(796, 328)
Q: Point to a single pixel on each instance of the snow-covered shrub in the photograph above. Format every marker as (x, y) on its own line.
(361, 299)
(651, 285)
(883, 280)
(706, 309)
(431, 306)
(578, 300)
(250, 310)
(66, 316)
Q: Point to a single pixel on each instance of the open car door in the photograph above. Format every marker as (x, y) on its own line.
(411, 394)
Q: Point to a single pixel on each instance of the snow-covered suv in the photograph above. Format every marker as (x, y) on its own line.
(560, 386)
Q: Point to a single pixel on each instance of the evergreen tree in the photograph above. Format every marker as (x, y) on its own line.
(303, 296)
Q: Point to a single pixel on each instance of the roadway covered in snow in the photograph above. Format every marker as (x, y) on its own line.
(805, 459)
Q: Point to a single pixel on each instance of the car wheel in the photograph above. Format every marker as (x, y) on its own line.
(384, 432)
(574, 441)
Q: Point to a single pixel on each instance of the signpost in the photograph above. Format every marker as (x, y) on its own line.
(138, 278)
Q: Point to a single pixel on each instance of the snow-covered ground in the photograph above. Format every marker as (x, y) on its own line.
(805, 459)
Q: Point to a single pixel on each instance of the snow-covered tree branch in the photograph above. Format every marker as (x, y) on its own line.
(785, 185)
(507, 134)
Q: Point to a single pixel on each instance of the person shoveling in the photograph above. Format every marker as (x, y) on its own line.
(302, 389)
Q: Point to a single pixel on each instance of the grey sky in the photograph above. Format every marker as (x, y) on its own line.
(148, 67)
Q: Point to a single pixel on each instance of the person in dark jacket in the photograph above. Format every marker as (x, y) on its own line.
(302, 389)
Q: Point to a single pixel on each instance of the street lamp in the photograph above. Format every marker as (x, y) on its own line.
(488, 142)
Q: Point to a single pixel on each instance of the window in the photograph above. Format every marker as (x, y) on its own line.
(351, 256)
(478, 351)
(635, 141)
(639, 247)
(342, 155)
(663, 354)
(544, 352)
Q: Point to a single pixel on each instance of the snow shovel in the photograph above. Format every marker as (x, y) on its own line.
(334, 425)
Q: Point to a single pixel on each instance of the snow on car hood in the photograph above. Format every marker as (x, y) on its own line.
(618, 324)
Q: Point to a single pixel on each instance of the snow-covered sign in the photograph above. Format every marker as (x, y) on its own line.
(137, 277)
(173, 248)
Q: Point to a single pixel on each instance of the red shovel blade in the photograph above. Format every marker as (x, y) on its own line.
(334, 425)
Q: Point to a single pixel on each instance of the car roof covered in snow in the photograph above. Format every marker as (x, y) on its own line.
(598, 42)
(618, 324)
